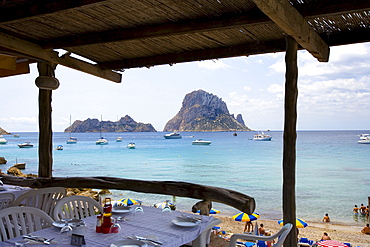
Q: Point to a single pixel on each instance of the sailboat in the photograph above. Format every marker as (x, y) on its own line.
(119, 138)
(71, 139)
(102, 140)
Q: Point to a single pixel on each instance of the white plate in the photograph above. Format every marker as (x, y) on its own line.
(122, 210)
(71, 222)
(129, 243)
(183, 222)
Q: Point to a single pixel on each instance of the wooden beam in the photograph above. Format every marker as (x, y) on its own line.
(290, 137)
(229, 197)
(224, 52)
(20, 68)
(40, 54)
(251, 17)
(173, 28)
(7, 62)
(41, 7)
(292, 23)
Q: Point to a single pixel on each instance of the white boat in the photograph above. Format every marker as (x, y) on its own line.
(71, 140)
(262, 137)
(3, 140)
(59, 147)
(174, 135)
(364, 139)
(201, 142)
(101, 141)
(25, 145)
(131, 145)
(119, 139)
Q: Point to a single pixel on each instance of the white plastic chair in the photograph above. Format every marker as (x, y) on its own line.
(76, 207)
(44, 199)
(6, 200)
(281, 234)
(17, 221)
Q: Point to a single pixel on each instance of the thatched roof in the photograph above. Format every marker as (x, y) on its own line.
(122, 34)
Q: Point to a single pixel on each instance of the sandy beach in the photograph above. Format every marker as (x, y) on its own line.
(314, 231)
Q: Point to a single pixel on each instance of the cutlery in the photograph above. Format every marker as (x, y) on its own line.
(193, 219)
(39, 239)
(147, 239)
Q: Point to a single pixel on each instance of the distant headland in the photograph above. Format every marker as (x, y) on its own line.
(125, 124)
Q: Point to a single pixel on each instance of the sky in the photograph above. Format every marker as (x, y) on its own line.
(332, 96)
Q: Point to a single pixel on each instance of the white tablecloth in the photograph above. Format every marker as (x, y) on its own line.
(152, 223)
(16, 190)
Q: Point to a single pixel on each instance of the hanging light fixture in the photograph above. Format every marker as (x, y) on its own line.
(47, 82)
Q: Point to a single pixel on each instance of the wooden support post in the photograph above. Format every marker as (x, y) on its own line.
(45, 127)
(290, 136)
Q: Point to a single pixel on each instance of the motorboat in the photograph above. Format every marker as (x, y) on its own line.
(71, 140)
(3, 140)
(59, 147)
(262, 137)
(101, 141)
(174, 135)
(119, 139)
(364, 139)
(16, 136)
(25, 145)
(131, 145)
(201, 142)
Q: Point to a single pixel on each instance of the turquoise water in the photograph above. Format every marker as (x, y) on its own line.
(333, 170)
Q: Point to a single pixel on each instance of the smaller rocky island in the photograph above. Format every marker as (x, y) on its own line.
(203, 111)
(3, 132)
(125, 124)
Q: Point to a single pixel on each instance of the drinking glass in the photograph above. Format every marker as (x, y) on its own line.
(65, 234)
(166, 209)
(139, 210)
(116, 228)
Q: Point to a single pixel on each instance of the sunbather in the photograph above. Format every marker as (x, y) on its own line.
(366, 229)
(325, 236)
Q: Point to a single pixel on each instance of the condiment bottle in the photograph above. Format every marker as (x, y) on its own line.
(99, 220)
(107, 214)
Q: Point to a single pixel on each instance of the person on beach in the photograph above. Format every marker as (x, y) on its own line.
(325, 236)
(355, 209)
(326, 218)
(366, 229)
(362, 209)
(367, 212)
(248, 226)
(270, 242)
(261, 230)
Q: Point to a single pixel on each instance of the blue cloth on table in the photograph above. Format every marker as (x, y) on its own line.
(249, 244)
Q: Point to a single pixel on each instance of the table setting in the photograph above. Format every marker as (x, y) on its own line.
(141, 226)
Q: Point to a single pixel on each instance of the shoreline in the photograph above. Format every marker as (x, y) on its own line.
(314, 231)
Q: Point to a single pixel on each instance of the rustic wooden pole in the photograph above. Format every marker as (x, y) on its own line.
(45, 128)
(290, 136)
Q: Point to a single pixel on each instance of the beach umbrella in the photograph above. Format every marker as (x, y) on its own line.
(162, 204)
(212, 211)
(128, 201)
(299, 223)
(331, 243)
(243, 217)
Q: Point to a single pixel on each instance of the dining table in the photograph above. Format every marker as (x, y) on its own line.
(15, 190)
(153, 224)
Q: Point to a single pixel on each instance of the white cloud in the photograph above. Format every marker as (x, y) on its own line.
(275, 88)
(213, 64)
(19, 120)
(247, 88)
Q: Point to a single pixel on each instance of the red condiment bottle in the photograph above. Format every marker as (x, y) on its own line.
(107, 214)
(99, 221)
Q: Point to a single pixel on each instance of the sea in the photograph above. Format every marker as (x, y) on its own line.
(332, 169)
